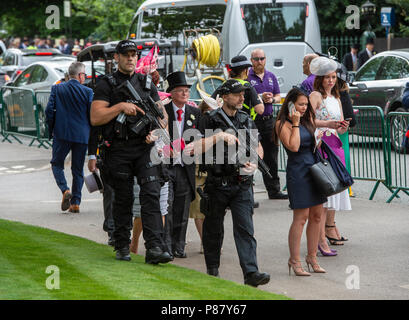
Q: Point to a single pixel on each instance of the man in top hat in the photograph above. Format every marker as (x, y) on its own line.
(182, 117)
(350, 60)
(367, 53)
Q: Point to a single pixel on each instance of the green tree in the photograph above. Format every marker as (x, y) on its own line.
(110, 19)
(403, 23)
(102, 19)
(332, 17)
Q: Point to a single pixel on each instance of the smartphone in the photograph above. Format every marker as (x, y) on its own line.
(291, 108)
(348, 119)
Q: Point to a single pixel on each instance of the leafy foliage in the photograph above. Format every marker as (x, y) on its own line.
(332, 17)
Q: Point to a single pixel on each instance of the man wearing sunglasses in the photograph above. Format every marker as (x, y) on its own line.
(266, 85)
(68, 121)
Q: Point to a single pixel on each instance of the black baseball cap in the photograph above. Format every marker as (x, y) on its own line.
(231, 86)
(124, 46)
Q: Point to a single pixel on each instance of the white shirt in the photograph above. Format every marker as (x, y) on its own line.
(369, 53)
(179, 125)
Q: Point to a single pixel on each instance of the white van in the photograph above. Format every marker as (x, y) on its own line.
(285, 29)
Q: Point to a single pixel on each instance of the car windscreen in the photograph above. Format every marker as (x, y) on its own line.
(169, 23)
(99, 69)
(29, 59)
(266, 22)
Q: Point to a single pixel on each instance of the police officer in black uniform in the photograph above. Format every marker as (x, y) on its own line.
(229, 185)
(126, 155)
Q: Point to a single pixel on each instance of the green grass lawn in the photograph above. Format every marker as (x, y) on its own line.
(88, 270)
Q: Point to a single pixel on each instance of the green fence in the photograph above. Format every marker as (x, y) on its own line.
(368, 152)
(396, 125)
(22, 116)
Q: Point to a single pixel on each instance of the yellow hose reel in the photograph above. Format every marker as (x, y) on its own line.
(205, 50)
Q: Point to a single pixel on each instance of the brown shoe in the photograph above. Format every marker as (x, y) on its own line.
(74, 208)
(66, 197)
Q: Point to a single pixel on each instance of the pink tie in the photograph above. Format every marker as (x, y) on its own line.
(179, 111)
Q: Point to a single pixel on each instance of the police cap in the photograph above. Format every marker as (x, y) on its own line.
(231, 86)
(124, 46)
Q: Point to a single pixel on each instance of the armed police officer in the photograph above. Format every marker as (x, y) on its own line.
(126, 153)
(228, 184)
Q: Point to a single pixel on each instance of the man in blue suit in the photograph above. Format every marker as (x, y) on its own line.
(68, 119)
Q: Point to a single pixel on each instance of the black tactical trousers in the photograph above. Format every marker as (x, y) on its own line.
(124, 160)
(239, 197)
(265, 129)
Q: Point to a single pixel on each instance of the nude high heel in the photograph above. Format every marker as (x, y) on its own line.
(312, 260)
(297, 269)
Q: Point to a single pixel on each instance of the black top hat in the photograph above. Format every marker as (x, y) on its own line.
(240, 62)
(176, 79)
(355, 46)
(370, 41)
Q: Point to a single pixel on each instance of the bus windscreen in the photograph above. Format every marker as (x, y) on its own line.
(281, 22)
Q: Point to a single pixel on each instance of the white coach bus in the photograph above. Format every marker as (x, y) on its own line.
(285, 29)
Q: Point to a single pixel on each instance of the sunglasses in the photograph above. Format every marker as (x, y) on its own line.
(258, 58)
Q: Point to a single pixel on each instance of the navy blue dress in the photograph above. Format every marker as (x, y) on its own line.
(300, 185)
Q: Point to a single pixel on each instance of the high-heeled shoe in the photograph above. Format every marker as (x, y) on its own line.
(326, 253)
(334, 241)
(297, 269)
(312, 260)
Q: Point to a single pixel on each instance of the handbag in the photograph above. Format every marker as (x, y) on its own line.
(337, 165)
(325, 178)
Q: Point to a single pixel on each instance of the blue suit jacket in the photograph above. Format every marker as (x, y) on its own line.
(68, 112)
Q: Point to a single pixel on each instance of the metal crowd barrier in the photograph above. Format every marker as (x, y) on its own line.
(368, 151)
(369, 155)
(22, 116)
(397, 124)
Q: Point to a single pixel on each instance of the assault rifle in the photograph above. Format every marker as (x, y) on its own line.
(152, 112)
(243, 137)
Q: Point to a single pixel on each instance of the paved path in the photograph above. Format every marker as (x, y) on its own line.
(378, 232)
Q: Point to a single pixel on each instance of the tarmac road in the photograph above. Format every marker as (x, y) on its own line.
(373, 264)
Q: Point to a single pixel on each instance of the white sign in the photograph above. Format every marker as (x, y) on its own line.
(67, 9)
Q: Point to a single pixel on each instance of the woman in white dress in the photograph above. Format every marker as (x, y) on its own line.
(329, 117)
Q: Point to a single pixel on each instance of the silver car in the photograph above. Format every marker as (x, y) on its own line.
(36, 80)
(381, 82)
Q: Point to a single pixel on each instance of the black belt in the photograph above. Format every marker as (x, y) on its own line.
(262, 118)
(127, 142)
(225, 180)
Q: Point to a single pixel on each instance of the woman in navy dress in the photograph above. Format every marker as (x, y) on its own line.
(296, 132)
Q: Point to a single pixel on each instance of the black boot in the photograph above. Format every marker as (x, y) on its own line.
(123, 254)
(213, 272)
(157, 255)
(255, 279)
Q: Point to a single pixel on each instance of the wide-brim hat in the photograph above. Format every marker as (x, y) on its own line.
(93, 182)
(240, 62)
(321, 66)
(176, 79)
